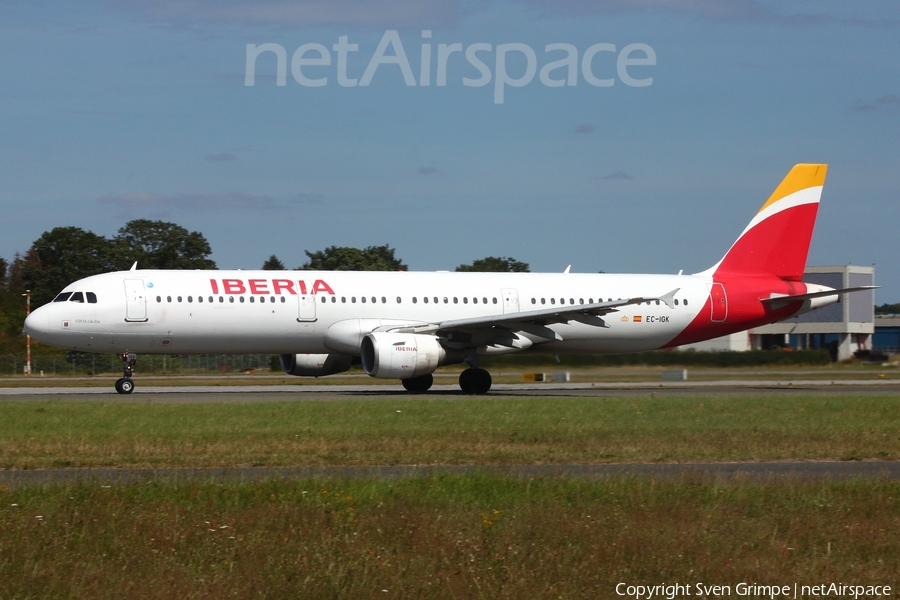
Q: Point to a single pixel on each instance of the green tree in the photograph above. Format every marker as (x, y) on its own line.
(273, 264)
(343, 258)
(494, 264)
(888, 309)
(12, 306)
(161, 245)
(14, 273)
(59, 257)
(7, 304)
(11, 318)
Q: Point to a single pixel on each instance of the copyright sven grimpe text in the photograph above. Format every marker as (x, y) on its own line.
(670, 591)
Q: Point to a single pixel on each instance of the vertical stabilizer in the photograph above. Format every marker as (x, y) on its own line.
(776, 242)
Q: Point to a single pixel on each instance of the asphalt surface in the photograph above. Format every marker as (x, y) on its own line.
(291, 393)
(835, 471)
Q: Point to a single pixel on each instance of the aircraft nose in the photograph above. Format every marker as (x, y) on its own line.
(38, 323)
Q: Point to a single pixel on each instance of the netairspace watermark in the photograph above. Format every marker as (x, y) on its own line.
(599, 65)
(670, 591)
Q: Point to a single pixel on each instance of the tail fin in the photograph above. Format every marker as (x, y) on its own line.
(776, 242)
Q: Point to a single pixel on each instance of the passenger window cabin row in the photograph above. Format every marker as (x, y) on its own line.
(591, 301)
(91, 298)
(334, 299)
(362, 299)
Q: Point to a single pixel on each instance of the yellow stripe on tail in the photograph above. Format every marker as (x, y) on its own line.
(802, 176)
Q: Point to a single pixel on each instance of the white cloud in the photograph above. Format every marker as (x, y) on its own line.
(887, 101)
(221, 157)
(750, 11)
(303, 13)
(617, 175)
(304, 198)
(149, 201)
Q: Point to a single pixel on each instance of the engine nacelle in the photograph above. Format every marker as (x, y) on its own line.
(403, 355)
(315, 365)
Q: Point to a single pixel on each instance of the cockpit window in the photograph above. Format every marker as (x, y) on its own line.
(62, 297)
(77, 297)
(91, 297)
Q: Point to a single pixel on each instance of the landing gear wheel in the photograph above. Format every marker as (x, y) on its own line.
(475, 381)
(124, 385)
(418, 384)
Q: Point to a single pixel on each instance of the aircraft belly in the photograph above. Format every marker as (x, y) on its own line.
(222, 332)
(649, 333)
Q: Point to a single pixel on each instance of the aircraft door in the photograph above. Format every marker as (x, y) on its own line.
(719, 302)
(135, 301)
(510, 300)
(307, 301)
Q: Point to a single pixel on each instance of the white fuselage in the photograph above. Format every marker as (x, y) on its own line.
(309, 312)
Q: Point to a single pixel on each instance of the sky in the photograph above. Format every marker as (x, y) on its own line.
(673, 125)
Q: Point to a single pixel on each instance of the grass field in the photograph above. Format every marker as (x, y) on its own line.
(459, 430)
(476, 535)
(443, 537)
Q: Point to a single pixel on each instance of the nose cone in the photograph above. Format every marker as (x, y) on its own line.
(38, 324)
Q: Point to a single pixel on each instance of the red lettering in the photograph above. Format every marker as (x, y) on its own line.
(321, 286)
(258, 286)
(302, 287)
(215, 286)
(233, 286)
(283, 284)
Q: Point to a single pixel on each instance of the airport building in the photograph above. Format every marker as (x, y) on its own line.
(843, 328)
(886, 339)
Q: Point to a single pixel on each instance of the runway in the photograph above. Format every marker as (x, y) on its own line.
(834, 471)
(187, 394)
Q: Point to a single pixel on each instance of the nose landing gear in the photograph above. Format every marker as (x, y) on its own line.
(124, 385)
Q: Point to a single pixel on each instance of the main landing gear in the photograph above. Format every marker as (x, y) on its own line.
(471, 381)
(418, 384)
(124, 385)
(475, 381)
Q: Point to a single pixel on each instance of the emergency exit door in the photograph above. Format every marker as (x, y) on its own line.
(307, 300)
(719, 303)
(135, 301)
(510, 300)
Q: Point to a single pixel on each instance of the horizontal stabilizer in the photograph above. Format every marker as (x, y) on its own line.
(798, 297)
(779, 300)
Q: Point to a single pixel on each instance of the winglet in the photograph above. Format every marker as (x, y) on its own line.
(669, 298)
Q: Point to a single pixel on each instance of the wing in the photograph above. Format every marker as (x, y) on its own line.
(500, 329)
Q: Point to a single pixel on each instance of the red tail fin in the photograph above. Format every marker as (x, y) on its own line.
(776, 242)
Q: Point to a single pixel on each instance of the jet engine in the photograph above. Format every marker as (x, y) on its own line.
(315, 365)
(404, 355)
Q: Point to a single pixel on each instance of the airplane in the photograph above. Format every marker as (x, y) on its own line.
(404, 325)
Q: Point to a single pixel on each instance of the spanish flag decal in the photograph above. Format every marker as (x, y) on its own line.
(637, 318)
